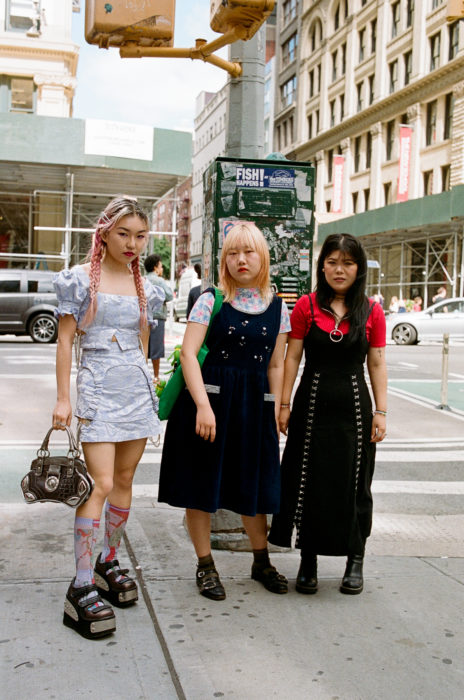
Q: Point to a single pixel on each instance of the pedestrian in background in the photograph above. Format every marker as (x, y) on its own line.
(221, 446)
(154, 269)
(441, 294)
(195, 292)
(106, 302)
(328, 461)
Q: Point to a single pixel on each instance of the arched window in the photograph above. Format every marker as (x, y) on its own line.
(315, 35)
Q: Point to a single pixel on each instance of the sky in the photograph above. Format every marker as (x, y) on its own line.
(160, 92)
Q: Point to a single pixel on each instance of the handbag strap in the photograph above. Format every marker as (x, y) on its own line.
(218, 299)
(43, 449)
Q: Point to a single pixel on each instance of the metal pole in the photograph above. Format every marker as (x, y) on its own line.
(444, 375)
(69, 205)
(173, 257)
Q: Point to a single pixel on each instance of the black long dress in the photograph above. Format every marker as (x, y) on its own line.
(240, 470)
(328, 461)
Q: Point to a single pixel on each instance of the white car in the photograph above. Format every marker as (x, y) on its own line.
(446, 316)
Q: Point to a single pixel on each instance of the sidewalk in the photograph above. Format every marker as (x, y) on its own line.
(402, 638)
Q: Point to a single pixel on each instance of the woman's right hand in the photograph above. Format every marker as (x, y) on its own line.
(206, 423)
(62, 414)
(284, 417)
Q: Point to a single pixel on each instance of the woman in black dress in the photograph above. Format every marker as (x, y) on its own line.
(221, 447)
(328, 462)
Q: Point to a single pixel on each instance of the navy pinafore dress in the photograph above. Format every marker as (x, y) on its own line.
(240, 470)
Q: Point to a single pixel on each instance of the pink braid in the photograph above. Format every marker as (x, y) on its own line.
(135, 265)
(96, 256)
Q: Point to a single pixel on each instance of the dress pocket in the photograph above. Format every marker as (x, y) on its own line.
(87, 394)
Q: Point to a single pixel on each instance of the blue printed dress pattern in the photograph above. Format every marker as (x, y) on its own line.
(116, 400)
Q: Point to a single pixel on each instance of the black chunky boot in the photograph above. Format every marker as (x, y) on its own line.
(306, 580)
(352, 582)
(114, 584)
(81, 614)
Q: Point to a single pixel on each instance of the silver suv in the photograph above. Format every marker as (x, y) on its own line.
(27, 302)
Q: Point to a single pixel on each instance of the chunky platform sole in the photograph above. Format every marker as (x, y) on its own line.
(121, 599)
(305, 590)
(351, 591)
(87, 629)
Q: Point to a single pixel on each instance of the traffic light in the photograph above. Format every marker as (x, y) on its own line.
(455, 10)
(120, 21)
(249, 14)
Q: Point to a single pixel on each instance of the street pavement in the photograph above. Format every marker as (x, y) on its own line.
(403, 638)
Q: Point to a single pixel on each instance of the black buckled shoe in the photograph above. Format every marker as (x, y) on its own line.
(306, 580)
(352, 582)
(209, 584)
(270, 578)
(91, 617)
(114, 584)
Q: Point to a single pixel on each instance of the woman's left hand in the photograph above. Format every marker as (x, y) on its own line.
(379, 428)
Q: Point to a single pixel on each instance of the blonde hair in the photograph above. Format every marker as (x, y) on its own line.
(118, 208)
(248, 234)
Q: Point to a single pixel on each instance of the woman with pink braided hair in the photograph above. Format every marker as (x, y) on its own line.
(106, 305)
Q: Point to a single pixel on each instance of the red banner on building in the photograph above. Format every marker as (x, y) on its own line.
(403, 164)
(337, 198)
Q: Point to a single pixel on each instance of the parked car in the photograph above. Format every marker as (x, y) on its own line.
(187, 280)
(445, 316)
(27, 302)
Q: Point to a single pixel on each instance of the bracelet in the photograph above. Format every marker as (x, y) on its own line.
(381, 413)
(284, 405)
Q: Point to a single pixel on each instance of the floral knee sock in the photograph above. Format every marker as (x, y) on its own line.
(115, 523)
(85, 535)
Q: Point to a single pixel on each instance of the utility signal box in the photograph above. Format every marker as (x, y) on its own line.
(249, 14)
(277, 196)
(143, 22)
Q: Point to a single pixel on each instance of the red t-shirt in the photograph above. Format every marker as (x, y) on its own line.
(301, 321)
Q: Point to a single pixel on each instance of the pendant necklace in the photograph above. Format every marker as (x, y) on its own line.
(336, 335)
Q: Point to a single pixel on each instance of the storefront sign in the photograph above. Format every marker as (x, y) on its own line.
(119, 139)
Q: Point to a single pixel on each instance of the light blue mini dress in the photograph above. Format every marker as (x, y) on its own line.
(116, 400)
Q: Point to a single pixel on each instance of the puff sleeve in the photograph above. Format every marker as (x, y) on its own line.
(155, 298)
(71, 288)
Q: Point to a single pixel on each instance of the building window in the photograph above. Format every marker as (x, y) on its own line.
(330, 155)
(448, 125)
(390, 139)
(393, 73)
(436, 3)
(362, 44)
(310, 126)
(346, 8)
(316, 35)
(311, 83)
(368, 149)
(371, 89)
(387, 190)
(332, 112)
(318, 76)
(334, 66)
(288, 92)
(367, 194)
(342, 107)
(409, 13)
(407, 67)
(428, 182)
(357, 153)
(395, 19)
(343, 66)
(337, 18)
(19, 15)
(290, 10)
(22, 95)
(355, 202)
(289, 50)
(453, 33)
(373, 35)
(316, 126)
(359, 97)
(445, 177)
(328, 205)
(431, 124)
(435, 51)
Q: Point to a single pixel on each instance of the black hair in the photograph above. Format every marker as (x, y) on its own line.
(355, 300)
(152, 261)
(197, 268)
